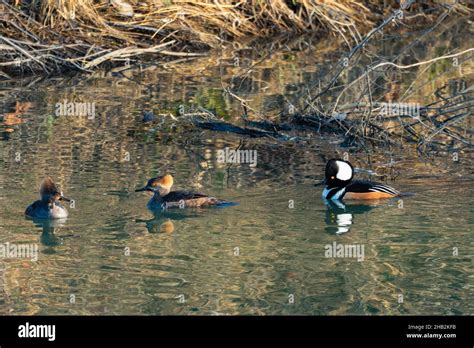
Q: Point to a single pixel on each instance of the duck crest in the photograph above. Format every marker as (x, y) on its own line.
(48, 187)
(166, 181)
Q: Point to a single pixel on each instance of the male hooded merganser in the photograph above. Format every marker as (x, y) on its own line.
(339, 184)
(49, 206)
(164, 199)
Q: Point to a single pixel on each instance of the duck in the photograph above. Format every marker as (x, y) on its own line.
(163, 198)
(49, 205)
(339, 184)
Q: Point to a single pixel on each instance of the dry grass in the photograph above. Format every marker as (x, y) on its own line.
(57, 35)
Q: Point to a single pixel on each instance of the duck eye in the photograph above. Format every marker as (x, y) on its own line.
(332, 177)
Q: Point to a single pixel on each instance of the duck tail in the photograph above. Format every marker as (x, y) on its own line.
(223, 204)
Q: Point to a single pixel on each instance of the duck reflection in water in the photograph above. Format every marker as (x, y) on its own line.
(49, 228)
(164, 220)
(158, 225)
(340, 216)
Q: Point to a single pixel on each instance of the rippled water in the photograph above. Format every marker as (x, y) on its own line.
(267, 255)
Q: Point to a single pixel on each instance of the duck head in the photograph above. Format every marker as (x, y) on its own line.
(51, 193)
(338, 173)
(161, 185)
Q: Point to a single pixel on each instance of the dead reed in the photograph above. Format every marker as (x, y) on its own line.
(54, 36)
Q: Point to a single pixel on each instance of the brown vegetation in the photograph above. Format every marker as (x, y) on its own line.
(51, 36)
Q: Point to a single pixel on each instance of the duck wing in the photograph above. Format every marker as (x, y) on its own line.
(176, 196)
(359, 186)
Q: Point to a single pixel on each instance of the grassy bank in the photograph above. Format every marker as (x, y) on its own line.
(54, 36)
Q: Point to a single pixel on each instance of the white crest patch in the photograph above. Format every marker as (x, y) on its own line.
(345, 171)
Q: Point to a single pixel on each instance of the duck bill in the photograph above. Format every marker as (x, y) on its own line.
(65, 199)
(143, 189)
(322, 182)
